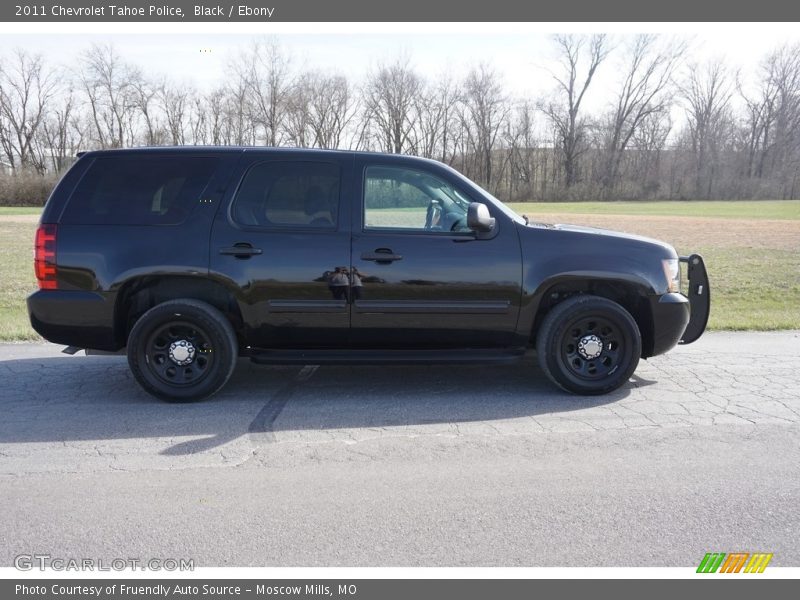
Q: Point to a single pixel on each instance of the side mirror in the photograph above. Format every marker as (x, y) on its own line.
(479, 219)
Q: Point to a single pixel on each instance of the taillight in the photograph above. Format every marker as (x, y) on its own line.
(44, 257)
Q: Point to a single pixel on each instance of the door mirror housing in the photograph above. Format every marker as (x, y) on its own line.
(479, 219)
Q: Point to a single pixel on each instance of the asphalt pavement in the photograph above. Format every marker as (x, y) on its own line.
(406, 465)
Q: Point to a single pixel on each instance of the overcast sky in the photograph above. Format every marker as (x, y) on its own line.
(522, 58)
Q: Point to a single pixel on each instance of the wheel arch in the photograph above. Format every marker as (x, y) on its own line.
(139, 294)
(629, 292)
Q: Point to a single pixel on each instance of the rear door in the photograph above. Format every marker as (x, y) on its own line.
(280, 240)
(419, 278)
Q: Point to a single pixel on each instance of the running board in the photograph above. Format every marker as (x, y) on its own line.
(381, 357)
(120, 352)
(73, 350)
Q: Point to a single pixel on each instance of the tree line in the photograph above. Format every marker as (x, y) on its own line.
(668, 127)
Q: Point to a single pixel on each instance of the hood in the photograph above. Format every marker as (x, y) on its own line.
(608, 232)
(605, 234)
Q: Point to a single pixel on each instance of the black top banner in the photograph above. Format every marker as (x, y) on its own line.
(405, 11)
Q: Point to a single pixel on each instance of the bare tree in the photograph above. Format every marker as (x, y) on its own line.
(215, 101)
(783, 68)
(389, 98)
(647, 149)
(332, 107)
(27, 87)
(145, 94)
(174, 101)
(483, 111)
(297, 112)
(519, 142)
(770, 133)
(231, 110)
(62, 133)
(110, 87)
(706, 92)
(579, 58)
(759, 120)
(644, 91)
(199, 121)
(434, 107)
(269, 83)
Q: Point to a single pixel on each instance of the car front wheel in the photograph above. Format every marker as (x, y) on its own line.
(182, 350)
(589, 345)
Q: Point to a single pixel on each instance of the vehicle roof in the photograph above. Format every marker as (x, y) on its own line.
(318, 152)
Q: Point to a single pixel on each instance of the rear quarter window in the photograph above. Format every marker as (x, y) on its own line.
(139, 190)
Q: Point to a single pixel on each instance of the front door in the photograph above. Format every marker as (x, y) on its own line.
(418, 276)
(283, 243)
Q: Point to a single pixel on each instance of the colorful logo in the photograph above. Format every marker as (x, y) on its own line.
(735, 562)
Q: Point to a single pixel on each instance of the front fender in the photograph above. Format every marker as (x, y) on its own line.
(532, 299)
(585, 261)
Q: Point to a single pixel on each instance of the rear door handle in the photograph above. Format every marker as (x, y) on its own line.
(381, 255)
(241, 250)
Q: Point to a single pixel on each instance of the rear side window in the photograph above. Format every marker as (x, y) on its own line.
(298, 194)
(139, 190)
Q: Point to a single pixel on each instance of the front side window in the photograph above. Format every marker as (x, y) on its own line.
(288, 194)
(139, 190)
(409, 199)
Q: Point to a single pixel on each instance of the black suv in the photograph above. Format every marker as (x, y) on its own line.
(191, 257)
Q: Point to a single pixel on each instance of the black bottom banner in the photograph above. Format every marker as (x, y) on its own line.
(384, 589)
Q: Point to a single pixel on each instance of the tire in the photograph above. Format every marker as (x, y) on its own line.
(182, 350)
(589, 345)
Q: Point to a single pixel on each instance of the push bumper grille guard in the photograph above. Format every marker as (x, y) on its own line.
(699, 298)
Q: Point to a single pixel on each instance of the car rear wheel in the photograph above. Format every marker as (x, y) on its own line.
(589, 345)
(182, 350)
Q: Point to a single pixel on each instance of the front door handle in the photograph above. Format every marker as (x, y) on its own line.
(241, 250)
(381, 255)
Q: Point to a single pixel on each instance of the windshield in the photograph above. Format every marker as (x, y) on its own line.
(505, 208)
(455, 197)
(494, 200)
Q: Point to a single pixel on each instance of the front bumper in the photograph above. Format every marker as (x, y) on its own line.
(670, 316)
(678, 318)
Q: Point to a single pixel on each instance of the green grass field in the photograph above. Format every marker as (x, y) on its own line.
(752, 250)
(19, 210)
(16, 279)
(753, 288)
(762, 209)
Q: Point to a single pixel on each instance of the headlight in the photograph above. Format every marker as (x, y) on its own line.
(672, 271)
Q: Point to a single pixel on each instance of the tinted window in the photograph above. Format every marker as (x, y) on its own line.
(400, 198)
(139, 190)
(288, 194)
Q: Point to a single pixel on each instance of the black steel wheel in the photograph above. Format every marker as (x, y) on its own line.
(589, 345)
(182, 350)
